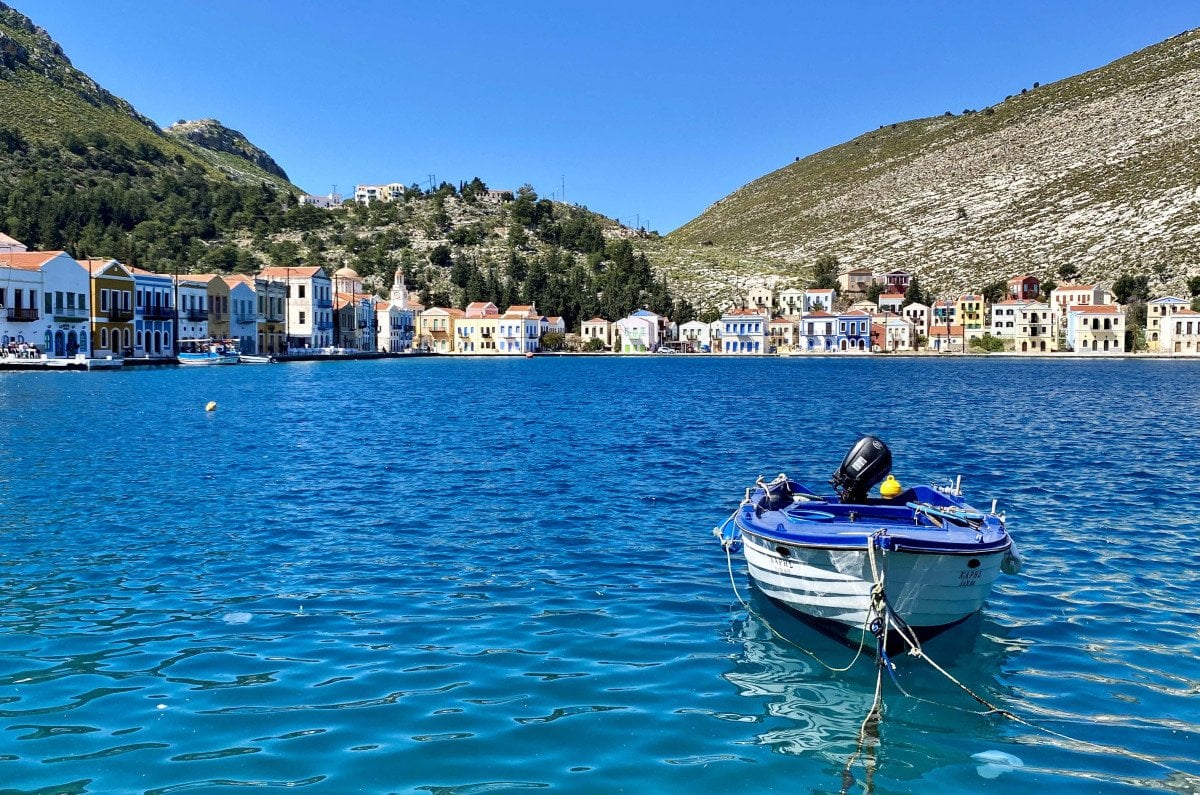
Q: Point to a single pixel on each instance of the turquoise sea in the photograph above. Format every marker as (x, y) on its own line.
(452, 576)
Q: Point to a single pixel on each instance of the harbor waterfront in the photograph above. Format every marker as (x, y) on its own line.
(459, 575)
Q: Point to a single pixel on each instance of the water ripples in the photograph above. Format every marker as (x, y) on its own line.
(469, 577)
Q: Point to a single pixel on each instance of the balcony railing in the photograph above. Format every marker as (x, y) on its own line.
(323, 303)
(158, 312)
(22, 315)
(69, 314)
(324, 325)
(216, 317)
(197, 315)
(244, 319)
(116, 315)
(273, 317)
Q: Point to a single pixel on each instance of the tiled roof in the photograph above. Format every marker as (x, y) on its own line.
(27, 260)
(942, 331)
(298, 272)
(596, 320)
(9, 241)
(1065, 287)
(1094, 309)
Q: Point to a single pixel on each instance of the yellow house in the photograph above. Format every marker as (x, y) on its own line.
(112, 288)
(218, 304)
(971, 313)
(435, 329)
(1158, 314)
(476, 335)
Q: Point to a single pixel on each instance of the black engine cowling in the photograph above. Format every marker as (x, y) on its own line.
(868, 462)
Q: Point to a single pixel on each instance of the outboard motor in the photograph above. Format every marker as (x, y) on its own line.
(868, 462)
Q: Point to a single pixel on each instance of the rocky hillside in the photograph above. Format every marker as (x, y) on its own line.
(45, 101)
(1101, 171)
(227, 149)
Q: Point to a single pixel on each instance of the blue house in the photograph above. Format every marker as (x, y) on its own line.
(854, 331)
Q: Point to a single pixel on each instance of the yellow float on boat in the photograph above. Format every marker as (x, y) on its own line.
(890, 487)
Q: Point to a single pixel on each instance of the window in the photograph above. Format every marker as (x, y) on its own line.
(302, 318)
(49, 308)
(103, 308)
(300, 291)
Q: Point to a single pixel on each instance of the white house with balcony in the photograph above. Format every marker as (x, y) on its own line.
(1096, 329)
(696, 337)
(745, 332)
(243, 312)
(817, 333)
(519, 330)
(193, 312)
(309, 317)
(640, 332)
(818, 300)
(791, 302)
(43, 301)
(918, 315)
(1158, 312)
(1180, 333)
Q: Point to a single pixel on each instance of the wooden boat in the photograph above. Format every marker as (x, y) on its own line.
(917, 560)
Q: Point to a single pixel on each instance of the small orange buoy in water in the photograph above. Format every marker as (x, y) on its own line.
(212, 406)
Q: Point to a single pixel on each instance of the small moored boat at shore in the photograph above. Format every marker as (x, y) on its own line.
(204, 352)
(903, 566)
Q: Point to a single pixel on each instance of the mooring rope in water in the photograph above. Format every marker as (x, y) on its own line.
(885, 616)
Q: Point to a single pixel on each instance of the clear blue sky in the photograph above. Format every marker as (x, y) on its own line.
(643, 110)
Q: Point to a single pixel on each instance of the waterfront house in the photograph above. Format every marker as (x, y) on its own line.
(309, 317)
(696, 336)
(855, 281)
(519, 330)
(791, 302)
(353, 312)
(714, 335)
(891, 332)
(111, 296)
(1005, 317)
(761, 300)
(478, 333)
(597, 329)
(946, 339)
(1071, 295)
(817, 333)
(243, 312)
(43, 301)
(271, 314)
(217, 290)
(435, 329)
(1180, 333)
(153, 314)
(1024, 288)
(919, 315)
(642, 332)
(20, 291)
(970, 311)
(853, 331)
(744, 331)
(1035, 332)
(781, 334)
(481, 309)
(1096, 329)
(553, 324)
(1158, 312)
(193, 312)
